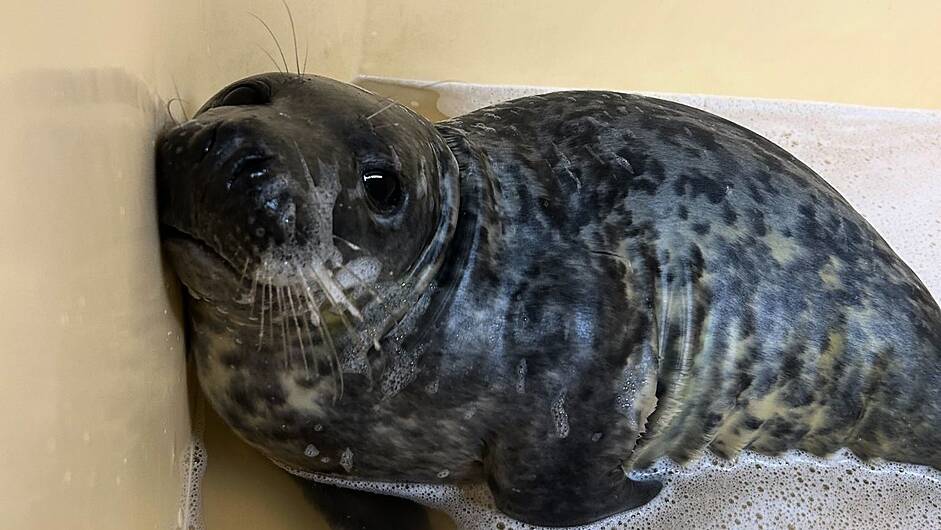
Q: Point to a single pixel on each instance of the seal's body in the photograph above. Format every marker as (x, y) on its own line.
(539, 294)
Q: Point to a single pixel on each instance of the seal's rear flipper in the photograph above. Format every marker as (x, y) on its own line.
(347, 509)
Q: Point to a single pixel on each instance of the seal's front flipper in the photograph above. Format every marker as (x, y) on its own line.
(347, 509)
(540, 489)
(563, 505)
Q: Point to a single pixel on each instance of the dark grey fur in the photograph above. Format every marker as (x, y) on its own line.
(579, 283)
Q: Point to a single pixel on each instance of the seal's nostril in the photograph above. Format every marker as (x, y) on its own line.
(275, 221)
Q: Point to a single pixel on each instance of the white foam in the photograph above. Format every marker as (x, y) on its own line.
(560, 417)
(190, 516)
(193, 463)
(794, 490)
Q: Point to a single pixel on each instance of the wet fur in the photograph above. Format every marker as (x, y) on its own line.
(627, 279)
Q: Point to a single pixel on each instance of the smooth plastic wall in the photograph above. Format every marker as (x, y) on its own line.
(872, 53)
(93, 399)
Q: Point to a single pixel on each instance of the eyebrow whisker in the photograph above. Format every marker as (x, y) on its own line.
(297, 61)
(278, 44)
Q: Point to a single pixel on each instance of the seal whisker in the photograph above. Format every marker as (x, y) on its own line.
(317, 319)
(179, 99)
(436, 83)
(297, 61)
(347, 324)
(387, 106)
(316, 279)
(313, 318)
(261, 323)
(314, 315)
(270, 309)
(248, 261)
(350, 244)
(284, 328)
(333, 291)
(300, 156)
(170, 111)
(297, 326)
(273, 61)
(306, 324)
(276, 43)
(306, 52)
(391, 102)
(253, 293)
(325, 334)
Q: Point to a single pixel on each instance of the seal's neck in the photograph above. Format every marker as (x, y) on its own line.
(470, 247)
(479, 218)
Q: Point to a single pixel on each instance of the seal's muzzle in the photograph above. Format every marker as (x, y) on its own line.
(227, 176)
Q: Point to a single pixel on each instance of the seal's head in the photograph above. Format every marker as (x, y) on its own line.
(306, 187)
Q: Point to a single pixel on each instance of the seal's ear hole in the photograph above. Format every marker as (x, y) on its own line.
(383, 191)
(247, 94)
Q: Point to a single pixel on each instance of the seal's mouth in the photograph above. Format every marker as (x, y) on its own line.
(172, 236)
(302, 273)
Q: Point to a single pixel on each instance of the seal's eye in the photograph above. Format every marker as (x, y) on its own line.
(383, 191)
(247, 94)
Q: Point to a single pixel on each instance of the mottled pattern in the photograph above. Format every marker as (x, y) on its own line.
(628, 279)
(778, 318)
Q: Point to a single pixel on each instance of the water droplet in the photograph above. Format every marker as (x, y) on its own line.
(560, 417)
(521, 377)
(311, 451)
(346, 460)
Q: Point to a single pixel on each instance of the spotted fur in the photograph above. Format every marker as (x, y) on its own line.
(627, 279)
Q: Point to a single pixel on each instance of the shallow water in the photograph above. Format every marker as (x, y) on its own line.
(794, 490)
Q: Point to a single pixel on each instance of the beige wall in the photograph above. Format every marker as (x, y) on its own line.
(880, 52)
(92, 398)
(93, 411)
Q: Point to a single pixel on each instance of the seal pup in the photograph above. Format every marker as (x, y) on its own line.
(541, 294)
